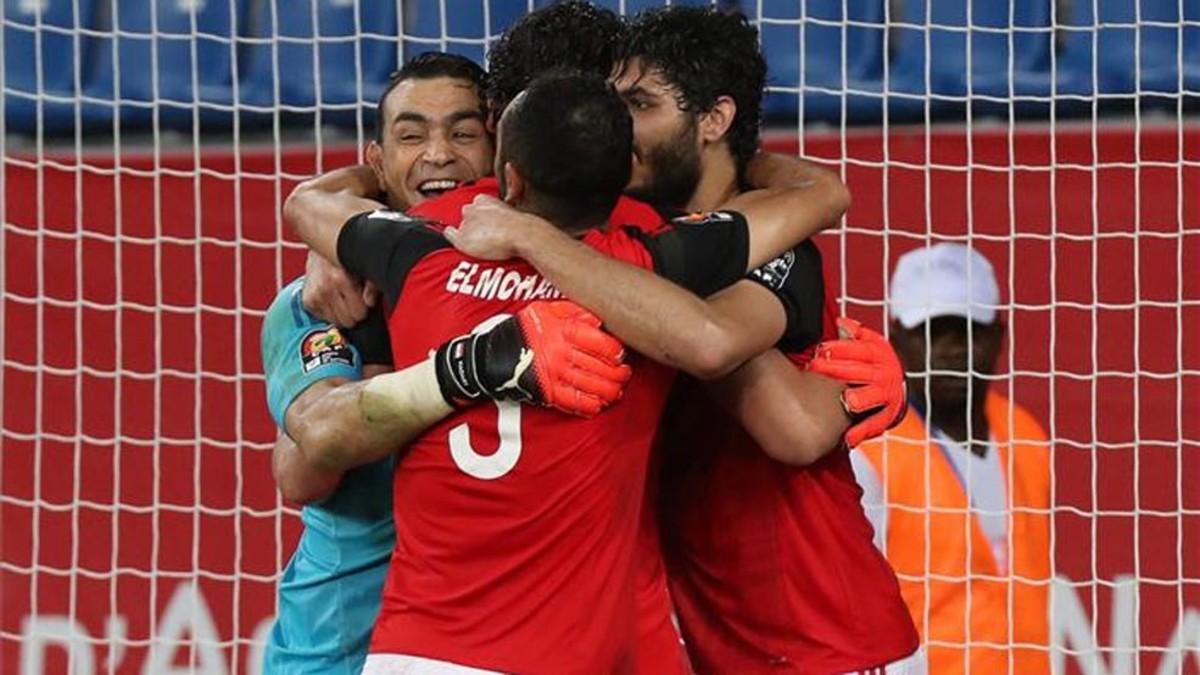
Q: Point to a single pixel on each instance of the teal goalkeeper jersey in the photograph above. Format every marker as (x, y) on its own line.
(330, 591)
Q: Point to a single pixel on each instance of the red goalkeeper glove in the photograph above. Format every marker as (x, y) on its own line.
(875, 397)
(550, 353)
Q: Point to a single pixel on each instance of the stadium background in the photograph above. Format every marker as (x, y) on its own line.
(148, 145)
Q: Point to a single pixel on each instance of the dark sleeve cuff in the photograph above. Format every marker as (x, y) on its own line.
(370, 336)
(701, 252)
(353, 249)
(797, 279)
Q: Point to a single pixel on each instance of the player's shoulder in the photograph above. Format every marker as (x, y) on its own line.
(287, 309)
(289, 328)
(286, 318)
(447, 208)
(627, 243)
(387, 231)
(630, 212)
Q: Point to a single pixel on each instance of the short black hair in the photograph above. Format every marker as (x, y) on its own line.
(705, 53)
(571, 139)
(430, 65)
(573, 35)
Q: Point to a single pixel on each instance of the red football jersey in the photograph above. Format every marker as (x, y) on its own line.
(447, 208)
(772, 568)
(660, 650)
(516, 526)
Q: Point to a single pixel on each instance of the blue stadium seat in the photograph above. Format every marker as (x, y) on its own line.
(1191, 47)
(356, 49)
(821, 26)
(1160, 56)
(53, 99)
(464, 21)
(464, 27)
(1099, 53)
(156, 37)
(997, 31)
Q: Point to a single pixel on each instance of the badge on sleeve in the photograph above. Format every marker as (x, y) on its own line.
(703, 218)
(325, 346)
(388, 214)
(775, 273)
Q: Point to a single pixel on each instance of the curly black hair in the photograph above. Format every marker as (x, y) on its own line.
(705, 53)
(573, 34)
(427, 66)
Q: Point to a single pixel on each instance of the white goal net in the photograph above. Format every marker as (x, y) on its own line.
(148, 145)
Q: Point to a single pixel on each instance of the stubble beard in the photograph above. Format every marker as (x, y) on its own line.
(674, 171)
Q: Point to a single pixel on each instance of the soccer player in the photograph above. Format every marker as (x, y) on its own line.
(329, 593)
(575, 34)
(772, 565)
(430, 137)
(771, 560)
(516, 537)
(575, 30)
(572, 34)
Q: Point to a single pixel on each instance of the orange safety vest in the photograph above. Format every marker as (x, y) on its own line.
(931, 536)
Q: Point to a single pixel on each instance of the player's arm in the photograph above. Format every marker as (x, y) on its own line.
(797, 200)
(316, 209)
(660, 319)
(304, 358)
(853, 390)
(654, 316)
(549, 353)
(300, 481)
(353, 423)
(575, 366)
(794, 415)
(775, 170)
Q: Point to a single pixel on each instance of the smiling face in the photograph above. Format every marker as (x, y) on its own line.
(666, 146)
(432, 141)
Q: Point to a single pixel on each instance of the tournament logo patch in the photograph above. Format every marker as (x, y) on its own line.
(703, 218)
(325, 346)
(775, 273)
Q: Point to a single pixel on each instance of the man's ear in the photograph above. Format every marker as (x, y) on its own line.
(374, 157)
(714, 123)
(514, 184)
(491, 120)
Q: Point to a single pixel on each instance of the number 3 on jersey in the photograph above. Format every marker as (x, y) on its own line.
(508, 427)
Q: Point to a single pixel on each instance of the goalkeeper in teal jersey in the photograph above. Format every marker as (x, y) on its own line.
(329, 593)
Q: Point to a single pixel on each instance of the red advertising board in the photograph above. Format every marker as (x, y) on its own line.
(138, 518)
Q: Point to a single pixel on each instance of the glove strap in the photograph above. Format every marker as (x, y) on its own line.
(457, 376)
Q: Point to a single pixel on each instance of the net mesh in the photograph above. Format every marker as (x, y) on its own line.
(148, 146)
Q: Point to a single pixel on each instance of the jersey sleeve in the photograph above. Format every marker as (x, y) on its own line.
(383, 246)
(702, 252)
(798, 281)
(300, 350)
(370, 337)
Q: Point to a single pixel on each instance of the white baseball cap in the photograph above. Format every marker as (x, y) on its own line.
(945, 279)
